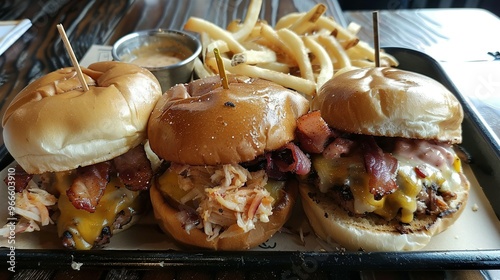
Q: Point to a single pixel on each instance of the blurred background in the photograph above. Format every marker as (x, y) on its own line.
(491, 5)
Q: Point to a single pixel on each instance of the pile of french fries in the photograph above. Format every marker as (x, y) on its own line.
(301, 52)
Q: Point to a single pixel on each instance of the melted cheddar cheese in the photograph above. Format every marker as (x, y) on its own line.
(441, 167)
(84, 226)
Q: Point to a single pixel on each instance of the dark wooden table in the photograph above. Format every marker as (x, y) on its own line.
(40, 51)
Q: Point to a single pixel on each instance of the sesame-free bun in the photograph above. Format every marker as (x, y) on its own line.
(166, 217)
(53, 125)
(201, 123)
(332, 223)
(385, 101)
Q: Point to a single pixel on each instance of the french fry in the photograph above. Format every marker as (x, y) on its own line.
(275, 66)
(307, 20)
(345, 69)
(287, 20)
(297, 83)
(326, 72)
(347, 44)
(255, 33)
(362, 63)
(211, 64)
(253, 57)
(343, 35)
(251, 18)
(234, 25)
(205, 41)
(364, 51)
(335, 50)
(217, 44)
(256, 45)
(199, 25)
(299, 50)
(353, 28)
(275, 42)
(387, 60)
(200, 70)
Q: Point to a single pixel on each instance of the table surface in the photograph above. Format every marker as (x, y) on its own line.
(461, 46)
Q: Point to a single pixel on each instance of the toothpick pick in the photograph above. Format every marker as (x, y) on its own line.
(72, 56)
(375, 38)
(222, 71)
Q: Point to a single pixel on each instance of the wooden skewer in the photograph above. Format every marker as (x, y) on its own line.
(375, 38)
(72, 56)
(222, 71)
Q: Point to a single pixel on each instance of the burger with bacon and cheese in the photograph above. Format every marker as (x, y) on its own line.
(85, 148)
(229, 157)
(385, 174)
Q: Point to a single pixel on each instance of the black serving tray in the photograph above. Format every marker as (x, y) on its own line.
(484, 152)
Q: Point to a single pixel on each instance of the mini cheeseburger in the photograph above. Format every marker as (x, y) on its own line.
(385, 174)
(228, 154)
(86, 148)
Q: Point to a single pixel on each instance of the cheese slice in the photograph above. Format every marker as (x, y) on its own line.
(440, 164)
(84, 226)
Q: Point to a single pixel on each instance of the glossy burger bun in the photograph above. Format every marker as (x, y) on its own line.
(53, 125)
(332, 223)
(166, 217)
(238, 124)
(384, 101)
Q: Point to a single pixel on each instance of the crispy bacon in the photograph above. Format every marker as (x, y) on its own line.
(89, 185)
(381, 168)
(19, 178)
(133, 169)
(272, 170)
(312, 132)
(338, 147)
(291, 158)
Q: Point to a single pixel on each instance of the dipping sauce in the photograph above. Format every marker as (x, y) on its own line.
(158, 55)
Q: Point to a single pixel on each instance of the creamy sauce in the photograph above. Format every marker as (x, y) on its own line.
(158, 55)
(155, 60)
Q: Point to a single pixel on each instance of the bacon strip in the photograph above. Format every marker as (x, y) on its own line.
(89, 185)
(19, 179)
(338, 147)
(134, 169)
(381, 168)
(291, 159)
(312, 132)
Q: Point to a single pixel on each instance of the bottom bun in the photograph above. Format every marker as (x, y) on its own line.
(166, 218)
(333, 224)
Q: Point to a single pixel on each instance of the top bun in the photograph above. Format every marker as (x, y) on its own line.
(201, 123)
(390, 102)
(53, 125)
